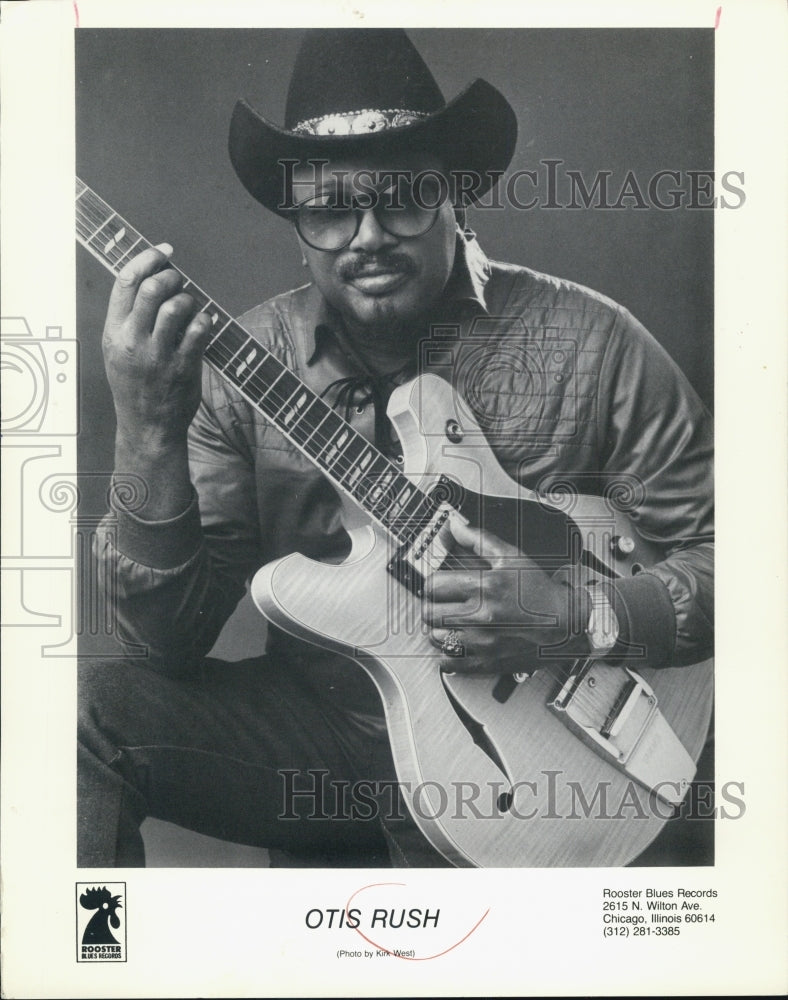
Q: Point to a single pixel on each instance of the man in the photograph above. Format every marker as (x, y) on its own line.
(362, 167)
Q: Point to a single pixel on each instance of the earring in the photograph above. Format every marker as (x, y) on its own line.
(304, 262)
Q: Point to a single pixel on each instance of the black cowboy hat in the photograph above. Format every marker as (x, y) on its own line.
(357, 92)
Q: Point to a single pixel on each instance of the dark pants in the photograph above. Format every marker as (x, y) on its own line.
(249, 753)
(243, 752)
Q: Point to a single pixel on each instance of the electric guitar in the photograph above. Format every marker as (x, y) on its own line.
(568, 762)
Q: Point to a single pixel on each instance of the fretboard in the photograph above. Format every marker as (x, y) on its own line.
(354, 465)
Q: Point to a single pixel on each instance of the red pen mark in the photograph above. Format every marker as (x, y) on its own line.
(717, 18)
(407, 958)
(76, 12)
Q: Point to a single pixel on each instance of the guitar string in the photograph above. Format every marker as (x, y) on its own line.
(407, 522)
(338, 469)
(410, 518)
(225, 355)
(91, 230)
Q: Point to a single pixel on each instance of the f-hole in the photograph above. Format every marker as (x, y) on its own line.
(478, 734)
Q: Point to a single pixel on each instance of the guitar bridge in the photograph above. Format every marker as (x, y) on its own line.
(613, 710)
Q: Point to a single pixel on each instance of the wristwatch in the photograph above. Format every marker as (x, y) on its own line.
(602, 629)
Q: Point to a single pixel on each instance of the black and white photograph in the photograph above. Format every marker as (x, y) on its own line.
(378, 441)
(430, 691)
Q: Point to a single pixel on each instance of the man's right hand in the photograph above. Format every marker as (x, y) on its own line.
(153, 344)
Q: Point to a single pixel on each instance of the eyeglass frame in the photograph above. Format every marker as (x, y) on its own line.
(373, 196)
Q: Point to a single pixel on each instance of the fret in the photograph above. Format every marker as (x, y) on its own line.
(354, 477)
(247, 364)
(265, 398)
(221, 329)
(293, 411)
(105, 247)
(88, 225)
(378, 488)
(412, 518)
(216, 316)
(264, 379)
(316, 403)
(127, 252)
(113, 241)
(233, 338)
(233, 351)
(112, 225)
(104, 223)
(201, 300)
(244, 344)
(280, 416)
(316, 429)
(398, 519)
(255, 384)
(331, 418)
(381, 481)
(290, 391)
(337, 444)
(350, 454)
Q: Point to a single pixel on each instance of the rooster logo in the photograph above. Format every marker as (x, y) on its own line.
(106, 906)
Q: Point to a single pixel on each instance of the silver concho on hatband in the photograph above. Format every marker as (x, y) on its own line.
(359, 122)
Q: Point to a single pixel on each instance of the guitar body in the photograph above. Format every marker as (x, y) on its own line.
(491, 774)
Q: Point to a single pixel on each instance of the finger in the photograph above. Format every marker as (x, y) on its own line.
(464, 665)
(152, 294)
(124, 291)
(466, 638)
(173, 317)
(468, 662)
(197, 336)
(471, 660)
(480, 542)
(447, 615)
(447, 639)
(453, 585)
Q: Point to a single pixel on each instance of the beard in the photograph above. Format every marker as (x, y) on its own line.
(392, 323)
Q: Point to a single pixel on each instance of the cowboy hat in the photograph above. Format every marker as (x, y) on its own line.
(358, 92)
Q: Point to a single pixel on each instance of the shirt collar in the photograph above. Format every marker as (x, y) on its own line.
(466, 286)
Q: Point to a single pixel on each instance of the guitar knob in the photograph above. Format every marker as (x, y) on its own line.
(454, 432)
(622, 545)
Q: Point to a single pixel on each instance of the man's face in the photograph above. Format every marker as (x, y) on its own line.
(380, 282)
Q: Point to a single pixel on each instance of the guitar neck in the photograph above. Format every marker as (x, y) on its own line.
(354, 465)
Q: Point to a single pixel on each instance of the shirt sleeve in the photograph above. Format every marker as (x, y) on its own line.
(654, 431)
(176, 582)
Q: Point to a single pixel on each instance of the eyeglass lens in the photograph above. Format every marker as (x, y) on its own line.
(331, 220)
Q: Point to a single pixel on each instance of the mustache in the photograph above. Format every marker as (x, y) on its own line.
(392, 260)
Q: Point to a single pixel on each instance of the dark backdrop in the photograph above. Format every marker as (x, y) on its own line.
(153, 109)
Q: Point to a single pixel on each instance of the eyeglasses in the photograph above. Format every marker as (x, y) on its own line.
(331, 220)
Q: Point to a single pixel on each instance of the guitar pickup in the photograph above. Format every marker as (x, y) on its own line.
(424, 553)
(615, 712)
